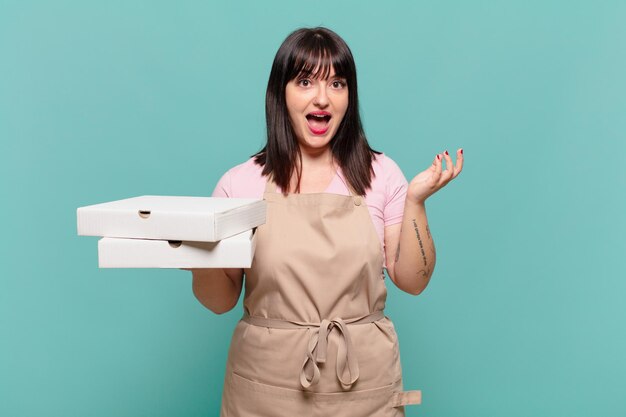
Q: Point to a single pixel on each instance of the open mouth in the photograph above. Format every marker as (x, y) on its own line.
(318, 122)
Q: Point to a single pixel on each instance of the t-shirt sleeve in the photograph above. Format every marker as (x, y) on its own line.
(241, 181)
(395, 193)
(223, 188)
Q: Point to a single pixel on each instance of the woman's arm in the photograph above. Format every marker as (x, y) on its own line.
(217, 289)
(413, 262)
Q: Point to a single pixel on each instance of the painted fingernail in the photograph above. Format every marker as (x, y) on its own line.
(438, 157)
(461, 151)
(446, 153)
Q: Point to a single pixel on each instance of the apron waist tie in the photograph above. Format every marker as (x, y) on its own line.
(318, 343)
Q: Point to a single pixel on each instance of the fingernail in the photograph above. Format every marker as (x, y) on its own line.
(461, 151)
(446, 152)
(438, 157)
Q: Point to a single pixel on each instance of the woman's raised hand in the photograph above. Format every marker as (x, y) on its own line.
(429, 181)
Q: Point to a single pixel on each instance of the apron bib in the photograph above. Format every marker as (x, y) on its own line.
(314, 340)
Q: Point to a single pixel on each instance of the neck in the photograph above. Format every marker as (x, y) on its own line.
(316, 159)
(317, 170)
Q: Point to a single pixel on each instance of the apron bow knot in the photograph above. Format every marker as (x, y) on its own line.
(347, 365)
(316, 354)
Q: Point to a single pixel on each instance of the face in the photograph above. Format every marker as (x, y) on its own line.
(316, 108)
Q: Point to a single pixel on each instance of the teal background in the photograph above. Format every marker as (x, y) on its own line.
(100, 101)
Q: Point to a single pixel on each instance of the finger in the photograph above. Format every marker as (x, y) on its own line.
(459, 162)
(437, 172)
(458, 167)
(447, 174)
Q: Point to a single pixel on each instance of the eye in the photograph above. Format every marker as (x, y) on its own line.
(304, 82)
(338, 84)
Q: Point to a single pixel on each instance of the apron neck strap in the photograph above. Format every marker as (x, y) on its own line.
(351, 191)
(270, 185)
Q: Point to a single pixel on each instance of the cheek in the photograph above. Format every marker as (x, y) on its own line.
(292, 100)
(341, 102)
(295, 108)
(292, 108)
(343, 107)
(290, 111)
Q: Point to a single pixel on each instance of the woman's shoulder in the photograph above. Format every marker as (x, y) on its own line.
(247, 168)
(386, 170)
(244, 180)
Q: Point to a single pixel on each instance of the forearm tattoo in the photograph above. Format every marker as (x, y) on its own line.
(419, 239)
(423, 272)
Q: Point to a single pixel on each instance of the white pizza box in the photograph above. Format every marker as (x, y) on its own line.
(234, 252)
(204, 219)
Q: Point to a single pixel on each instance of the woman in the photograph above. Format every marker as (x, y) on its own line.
(314, 339)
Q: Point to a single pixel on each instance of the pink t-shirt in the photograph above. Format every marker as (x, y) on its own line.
(385, 198)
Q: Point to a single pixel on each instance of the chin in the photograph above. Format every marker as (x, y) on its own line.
(317, 142)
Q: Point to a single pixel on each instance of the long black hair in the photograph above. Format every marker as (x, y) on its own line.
(311, 53)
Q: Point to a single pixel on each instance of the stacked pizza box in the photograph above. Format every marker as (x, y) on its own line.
(174, 232)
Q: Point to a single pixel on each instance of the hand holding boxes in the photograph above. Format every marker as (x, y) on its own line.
(174, 232)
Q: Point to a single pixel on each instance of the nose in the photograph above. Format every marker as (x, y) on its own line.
(321, 98)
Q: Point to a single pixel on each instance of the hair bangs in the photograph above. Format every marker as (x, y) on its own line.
(316, 59)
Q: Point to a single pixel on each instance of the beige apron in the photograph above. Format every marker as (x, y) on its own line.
(314, 340)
